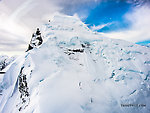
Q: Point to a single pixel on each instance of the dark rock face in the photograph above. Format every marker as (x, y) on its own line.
(24, 90)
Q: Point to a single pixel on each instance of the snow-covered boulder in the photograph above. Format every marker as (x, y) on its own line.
(78, 71)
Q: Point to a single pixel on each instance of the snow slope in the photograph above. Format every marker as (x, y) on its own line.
(78, 71)
(5, 61)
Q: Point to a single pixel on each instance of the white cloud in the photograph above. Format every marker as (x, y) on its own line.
(99, 27)
(140, 26)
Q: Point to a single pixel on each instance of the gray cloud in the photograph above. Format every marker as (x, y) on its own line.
(11, 42)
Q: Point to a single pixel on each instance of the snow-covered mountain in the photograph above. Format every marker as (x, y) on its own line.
(5, 61)
(78, 71)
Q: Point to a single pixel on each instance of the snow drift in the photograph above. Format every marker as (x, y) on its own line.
(78, 71)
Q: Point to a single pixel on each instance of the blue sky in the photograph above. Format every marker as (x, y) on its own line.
(120, 19)
(109, 12)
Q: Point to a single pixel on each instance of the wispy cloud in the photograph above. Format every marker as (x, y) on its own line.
(99, 27)
(140, 26)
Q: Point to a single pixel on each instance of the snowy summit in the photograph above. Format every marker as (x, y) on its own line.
(77, 71)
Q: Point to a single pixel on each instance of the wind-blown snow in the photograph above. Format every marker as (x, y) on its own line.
(77, 71)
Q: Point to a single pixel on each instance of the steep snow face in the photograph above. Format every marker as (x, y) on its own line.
(78, 71)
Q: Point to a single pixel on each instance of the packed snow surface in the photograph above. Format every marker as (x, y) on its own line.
(78, 71)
